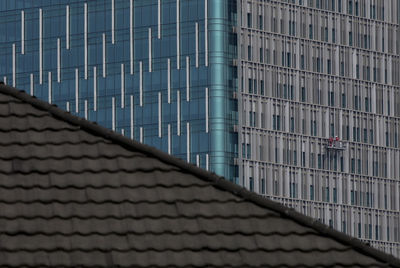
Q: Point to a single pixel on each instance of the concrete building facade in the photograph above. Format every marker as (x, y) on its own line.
(319, 111)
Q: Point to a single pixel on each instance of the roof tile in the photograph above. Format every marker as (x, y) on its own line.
(74, 194)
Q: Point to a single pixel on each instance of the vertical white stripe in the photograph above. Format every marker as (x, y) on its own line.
(141, 84)
(169, 138)
(94, 88)
(22, 32)
(207, 162)
(206, 109)
(187, 79)
(86, 109)
(187, 142)
(132, 106)
(197, 44)
(113, 113)
(67, 106)
(198, 160)
(5, 80)
(50, 89)
(131, 33)
(76, 90)
(40, 46)
(141, 134)
(14, 67)
(67, 26)
(85, 37)
(178, 112)
(169, 80)
(123, 132)
(206, 29)
(104, 55)
(159, 115)
(122, 86)
(178, 35)
(112, 21)
(58, 60)
(150, 51)
(32, 85)
(159, 19)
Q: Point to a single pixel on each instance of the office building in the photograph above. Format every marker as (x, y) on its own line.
(146, 69)
(319, 111)
(295, 100)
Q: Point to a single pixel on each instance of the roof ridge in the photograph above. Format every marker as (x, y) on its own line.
(214, 179)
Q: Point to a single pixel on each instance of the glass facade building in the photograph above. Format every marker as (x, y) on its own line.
(158, 71)
(257, 91)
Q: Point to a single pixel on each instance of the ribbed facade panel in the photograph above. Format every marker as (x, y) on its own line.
(312, 72)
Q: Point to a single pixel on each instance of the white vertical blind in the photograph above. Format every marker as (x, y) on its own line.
(113, 113)
(188, 141)
(94, 88)
(122, 86)
(150, 52)
(67, 26)
(58, 60)
(159, 115)
(178, 112)
(187, 78)
(85, 38)
(14, 66)
(178, 35)
(104, 55)
(159, 19)
(131, 34)
(22, 32)
(169, 80)
(132, 118)
(76, 90)
(112, 21)
(141, 84)
(49, 87)
(32, 85)
(40, 46)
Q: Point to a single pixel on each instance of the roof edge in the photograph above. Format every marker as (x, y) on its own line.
(216, 180)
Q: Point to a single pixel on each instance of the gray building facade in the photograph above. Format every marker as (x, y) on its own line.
(319, 111)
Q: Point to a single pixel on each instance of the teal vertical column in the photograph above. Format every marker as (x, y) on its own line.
(219, 92)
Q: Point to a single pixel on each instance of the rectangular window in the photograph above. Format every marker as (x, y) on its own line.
(371, 136)
(262, 87)
(303, 94)
(350, 38)
(250, 85)
(262, 186)
(365, 136)
(343, 100)
(251, 184)
(311, 192)
(329, 66)
(249, 20)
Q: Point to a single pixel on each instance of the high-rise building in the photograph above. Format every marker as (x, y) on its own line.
(296, 100)
(319, 108)
(158, 71)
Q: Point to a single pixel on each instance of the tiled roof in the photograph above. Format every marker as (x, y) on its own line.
(75, 194)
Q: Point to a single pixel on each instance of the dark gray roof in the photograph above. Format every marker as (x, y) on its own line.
(75, 194)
